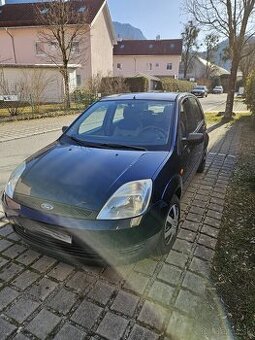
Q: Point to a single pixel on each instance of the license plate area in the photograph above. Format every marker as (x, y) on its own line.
(33, 227)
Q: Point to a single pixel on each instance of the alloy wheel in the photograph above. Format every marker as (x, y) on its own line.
(171, 223)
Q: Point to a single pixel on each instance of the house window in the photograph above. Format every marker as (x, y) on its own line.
(169, 66)
(52, 46)
(149, 66)
(78, 79)
(119, 66)
(75, 47)
(82, 9)
(157, 64)
(40, 48)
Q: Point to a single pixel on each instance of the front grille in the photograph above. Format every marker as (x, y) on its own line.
(59, 208)
(74, 249)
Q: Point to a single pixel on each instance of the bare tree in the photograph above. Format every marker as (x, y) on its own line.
(211, 44)
(35, 83)
(233, 19)
(8, 89)
(247, 64)
(63, 34)
(189, 37)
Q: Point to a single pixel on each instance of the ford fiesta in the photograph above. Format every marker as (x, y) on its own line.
(109, 188)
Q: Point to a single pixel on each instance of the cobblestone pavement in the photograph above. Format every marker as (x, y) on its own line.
(156, 298)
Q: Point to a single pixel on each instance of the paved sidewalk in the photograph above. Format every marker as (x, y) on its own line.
(24, 128)
(157, 298)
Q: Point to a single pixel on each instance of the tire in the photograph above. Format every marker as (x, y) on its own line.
(167, 238)
(201, 167)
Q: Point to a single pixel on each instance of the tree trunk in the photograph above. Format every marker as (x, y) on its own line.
(231, 89)
(66, 88)
(185, 70)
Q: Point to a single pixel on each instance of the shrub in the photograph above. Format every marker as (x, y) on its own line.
(83, 97)
(175, 85)
(250, 92)
(137, 84)
(112, 85)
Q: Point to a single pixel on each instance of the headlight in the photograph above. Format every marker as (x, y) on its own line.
(15, 175)
(130, 200)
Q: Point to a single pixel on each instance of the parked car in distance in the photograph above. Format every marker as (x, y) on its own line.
(217, 89)
(109, 188)
(200, 91)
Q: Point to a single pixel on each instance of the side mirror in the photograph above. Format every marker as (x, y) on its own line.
(64, 128)
(194, 138)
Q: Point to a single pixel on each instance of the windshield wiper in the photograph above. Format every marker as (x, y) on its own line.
(85, 143)
(106, 145)
(123, 146)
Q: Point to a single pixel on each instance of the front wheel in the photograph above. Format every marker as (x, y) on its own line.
(170, 229)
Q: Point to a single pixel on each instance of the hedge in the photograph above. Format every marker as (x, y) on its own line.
(175, 85)
(137, 84)
(250, 92)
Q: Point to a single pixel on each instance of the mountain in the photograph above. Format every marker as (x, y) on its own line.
(127, 31)
(219, 55)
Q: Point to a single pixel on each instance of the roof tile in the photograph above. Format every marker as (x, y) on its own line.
(148, 47)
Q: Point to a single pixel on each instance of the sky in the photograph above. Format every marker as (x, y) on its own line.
(153, 17)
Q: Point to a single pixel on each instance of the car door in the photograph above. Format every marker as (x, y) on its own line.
(196, 124)
(186, 150)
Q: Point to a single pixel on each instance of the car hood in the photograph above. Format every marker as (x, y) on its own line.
(81, 176)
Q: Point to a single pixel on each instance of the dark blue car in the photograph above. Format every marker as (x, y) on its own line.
(109, 188)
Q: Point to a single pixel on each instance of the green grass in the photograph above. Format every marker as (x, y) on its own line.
(42, 109)
(212, 118)
(234, 261)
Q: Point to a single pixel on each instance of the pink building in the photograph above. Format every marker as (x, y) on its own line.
(151, 57)
(20, 44)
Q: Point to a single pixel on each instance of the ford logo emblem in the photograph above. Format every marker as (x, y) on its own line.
(47, 206)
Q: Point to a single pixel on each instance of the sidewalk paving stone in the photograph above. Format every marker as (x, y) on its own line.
(142, 333)
(43, 324)
(40, 290)
(68, 332)
(6, 328)
(87, 314)
(63, 301)
(153, 315)
(125, 303)
(112, 327)
(21, 310)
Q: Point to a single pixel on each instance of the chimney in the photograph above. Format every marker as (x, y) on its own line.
(158, 37)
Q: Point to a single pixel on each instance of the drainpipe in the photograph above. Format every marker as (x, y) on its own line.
(13, 45)
(135, 64)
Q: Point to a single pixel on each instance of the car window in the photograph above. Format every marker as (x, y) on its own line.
(145, 123)
(187, 117)
(94, 121)
(196, 111)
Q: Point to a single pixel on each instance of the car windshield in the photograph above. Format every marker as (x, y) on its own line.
(125, 123)
(199, 88)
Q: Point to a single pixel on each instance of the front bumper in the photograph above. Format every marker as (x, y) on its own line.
(92, 241)
(199, 94)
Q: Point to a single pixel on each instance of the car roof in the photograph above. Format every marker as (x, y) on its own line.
(169, 96)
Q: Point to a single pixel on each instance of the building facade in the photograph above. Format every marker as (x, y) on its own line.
(151, 57)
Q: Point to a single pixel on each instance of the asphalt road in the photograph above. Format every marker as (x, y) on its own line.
(214, 102)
